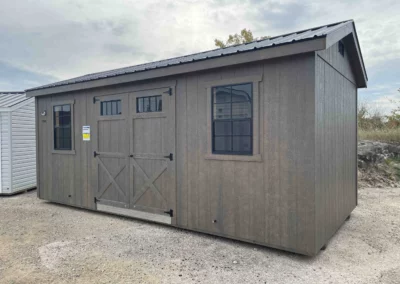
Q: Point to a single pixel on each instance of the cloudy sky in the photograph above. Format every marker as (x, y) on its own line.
(43, 41)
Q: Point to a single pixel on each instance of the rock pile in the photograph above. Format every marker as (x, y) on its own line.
(378, 164)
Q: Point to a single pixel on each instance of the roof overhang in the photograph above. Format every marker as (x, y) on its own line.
(240, 58)
(287, 49)
(349, 34)
(16, 106)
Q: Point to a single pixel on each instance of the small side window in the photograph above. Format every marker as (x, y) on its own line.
(111, 108)
(341, 48)
(149, 104)
(232, 119)
(62, 127)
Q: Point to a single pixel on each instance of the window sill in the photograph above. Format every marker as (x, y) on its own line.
(63, 152)
(239, 158)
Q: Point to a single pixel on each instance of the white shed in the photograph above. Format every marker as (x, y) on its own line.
(18, 143)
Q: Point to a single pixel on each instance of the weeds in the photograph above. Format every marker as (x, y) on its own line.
(372, 125)
(383, 135)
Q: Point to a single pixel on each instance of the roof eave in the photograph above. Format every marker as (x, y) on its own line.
(298, 47)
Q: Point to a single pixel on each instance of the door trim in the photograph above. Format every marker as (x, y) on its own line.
(169, 93)
(165, 219)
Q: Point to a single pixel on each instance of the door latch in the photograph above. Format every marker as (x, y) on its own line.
(170, 157)
(95, 154)
(170, 212)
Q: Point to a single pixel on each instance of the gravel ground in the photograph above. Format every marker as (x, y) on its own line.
(41, 242)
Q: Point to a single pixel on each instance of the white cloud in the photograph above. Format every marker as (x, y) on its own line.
(68, 38)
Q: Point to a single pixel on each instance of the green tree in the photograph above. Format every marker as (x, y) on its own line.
(245, 36)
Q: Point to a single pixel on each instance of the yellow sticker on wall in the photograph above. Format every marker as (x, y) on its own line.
(86, 133)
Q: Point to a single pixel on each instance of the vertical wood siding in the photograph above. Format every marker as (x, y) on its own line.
(336, 147)
(271, 202)
(289, 152)
(63, 177)
(341, 63)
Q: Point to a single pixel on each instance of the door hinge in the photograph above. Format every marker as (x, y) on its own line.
(95, 100)
(170, 212)
(95, 200)
(169, 92)
(170, 157)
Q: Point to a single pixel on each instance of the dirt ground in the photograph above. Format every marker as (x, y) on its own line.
(41, 242)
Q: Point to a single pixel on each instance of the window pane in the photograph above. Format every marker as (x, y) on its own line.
(242, 127)
(222, 128)
(113, 108)
(241, 110)
(222, 111)
(223, 143)
(103, 108)
(159, 103)
(67, 144)
(61, 141)
(66, 133)
(146, 104)
(222, 94)
(242, 143)
(65, 120)
(119, 109)
(66, 108)
(108, 108)
(153, 103)
(149, 104)
(56, 120)
(56, 138)
(62, 127)
(139, 102)
(241, 93)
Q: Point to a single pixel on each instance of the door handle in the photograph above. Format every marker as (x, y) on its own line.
(170, 157)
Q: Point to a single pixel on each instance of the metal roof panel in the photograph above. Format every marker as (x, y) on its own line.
(9, 99)
(307, 34)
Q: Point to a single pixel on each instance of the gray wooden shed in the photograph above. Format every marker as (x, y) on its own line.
(255, 142)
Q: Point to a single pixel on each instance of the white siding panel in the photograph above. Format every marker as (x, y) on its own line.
(23, 147)
(5, 152)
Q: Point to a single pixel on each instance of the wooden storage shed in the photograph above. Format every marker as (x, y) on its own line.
(17, 143)
(255, 142)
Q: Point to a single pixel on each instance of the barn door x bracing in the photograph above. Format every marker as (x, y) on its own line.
(138, 176)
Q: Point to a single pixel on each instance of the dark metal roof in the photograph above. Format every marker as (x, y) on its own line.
(303, 35)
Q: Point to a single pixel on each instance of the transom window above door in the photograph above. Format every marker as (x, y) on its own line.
(232, 119)
(149, 104)
(112, 107)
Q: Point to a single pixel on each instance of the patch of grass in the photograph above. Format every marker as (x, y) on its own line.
(383, 135)
(394, 163)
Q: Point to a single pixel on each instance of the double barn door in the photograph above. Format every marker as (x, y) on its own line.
(134, 146)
